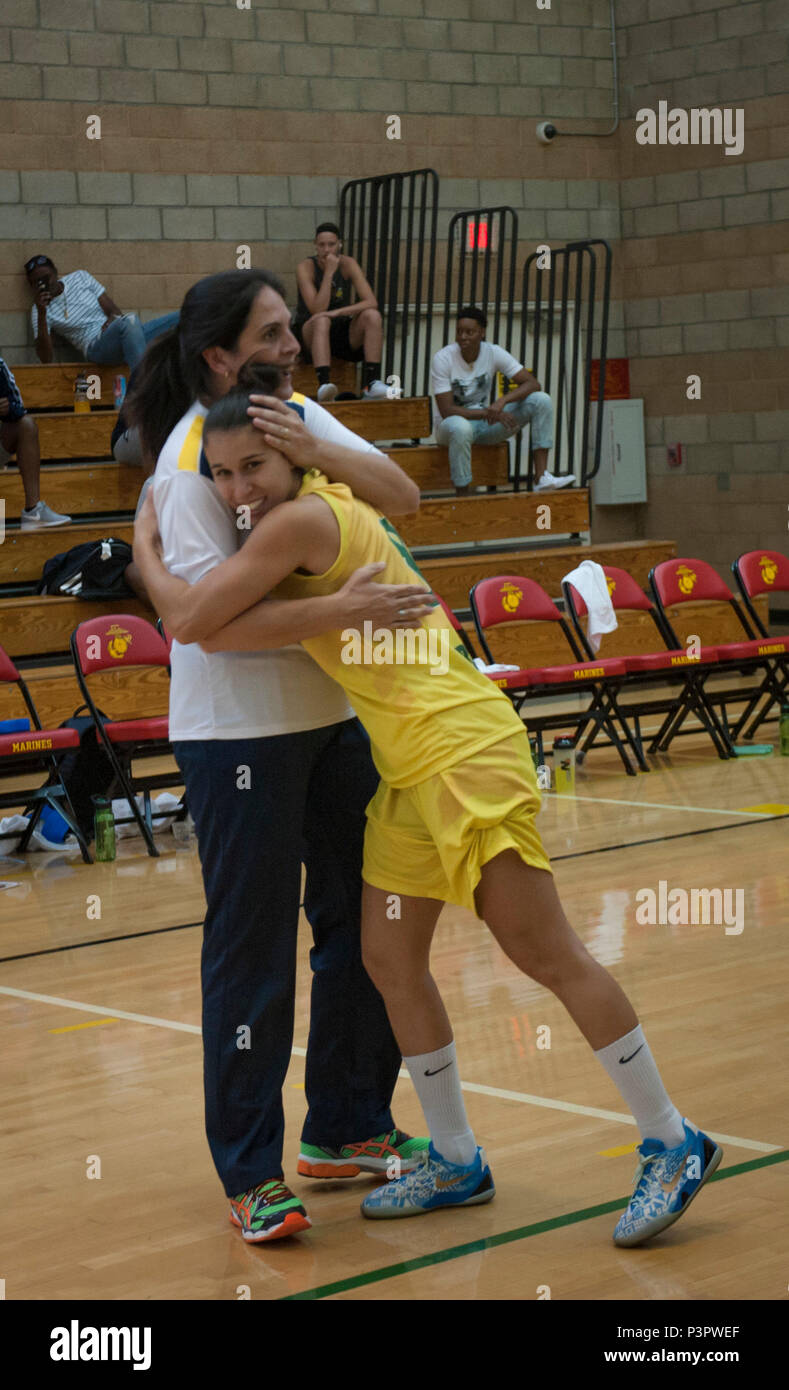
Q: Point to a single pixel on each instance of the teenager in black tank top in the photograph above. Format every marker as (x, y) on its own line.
(341, 292)
(340, 319)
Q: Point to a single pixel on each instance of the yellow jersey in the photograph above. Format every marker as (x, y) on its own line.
(421, 699)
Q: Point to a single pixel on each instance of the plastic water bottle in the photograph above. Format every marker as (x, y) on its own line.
(81, 400)
(564, 766)
(118, 390)
(784, 728)
(104, 829)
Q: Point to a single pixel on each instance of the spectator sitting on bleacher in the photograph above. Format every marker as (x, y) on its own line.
(19, 436)
(79, 308)
(328, 325)
(463, 375)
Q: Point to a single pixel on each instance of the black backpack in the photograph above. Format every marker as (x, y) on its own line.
(86, 771)
(93, 570)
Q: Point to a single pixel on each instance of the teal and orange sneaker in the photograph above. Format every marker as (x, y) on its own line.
(388, 1155)
(268, 1212)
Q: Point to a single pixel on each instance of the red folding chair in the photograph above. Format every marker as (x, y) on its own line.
(716, 617)
(115, 642)
(763, 572)
(638, 627)
(512, 599)
(35, 751)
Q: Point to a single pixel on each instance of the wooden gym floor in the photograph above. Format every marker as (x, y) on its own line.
(100, 1036)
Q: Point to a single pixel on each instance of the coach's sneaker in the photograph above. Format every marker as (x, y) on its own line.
(387, 1154)
(666, 1182)
(327, 392)
(268, 1212)
(435, 1183)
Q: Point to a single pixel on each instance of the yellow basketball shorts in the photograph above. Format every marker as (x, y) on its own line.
(432, 839)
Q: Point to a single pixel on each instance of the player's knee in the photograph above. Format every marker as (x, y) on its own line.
(27, 427)
(370, 317)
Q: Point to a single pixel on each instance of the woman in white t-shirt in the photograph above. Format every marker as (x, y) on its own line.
(277, 769)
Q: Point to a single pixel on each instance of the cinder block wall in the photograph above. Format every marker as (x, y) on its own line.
(705, 272)
(223, 126)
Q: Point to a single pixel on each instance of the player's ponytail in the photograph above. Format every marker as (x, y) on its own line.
(174, 372)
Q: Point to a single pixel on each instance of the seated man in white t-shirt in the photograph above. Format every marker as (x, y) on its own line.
(462, 381)
(79, 308)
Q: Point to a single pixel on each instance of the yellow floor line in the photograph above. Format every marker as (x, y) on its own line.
(72, 1027)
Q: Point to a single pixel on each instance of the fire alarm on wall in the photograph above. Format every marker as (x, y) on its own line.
(674, 455)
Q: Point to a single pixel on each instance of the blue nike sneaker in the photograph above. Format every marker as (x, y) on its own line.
(666, 1182)
(434, 1183)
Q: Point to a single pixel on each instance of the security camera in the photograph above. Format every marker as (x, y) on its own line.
(546, 132)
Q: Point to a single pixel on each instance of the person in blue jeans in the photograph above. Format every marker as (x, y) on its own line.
(277, 771)
(79, 308)
(463, 377)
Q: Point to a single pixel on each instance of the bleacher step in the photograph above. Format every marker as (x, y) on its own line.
(450, 522)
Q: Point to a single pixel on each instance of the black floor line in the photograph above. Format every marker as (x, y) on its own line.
(658, 839)
(100, 941)
(555, 858)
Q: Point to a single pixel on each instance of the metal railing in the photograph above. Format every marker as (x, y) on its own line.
(567, 316)
(389, 225)
(482, 248)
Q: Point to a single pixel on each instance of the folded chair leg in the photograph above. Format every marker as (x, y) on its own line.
(33, 820)
(758, 719)
(65, 809)
(671, 724)
(632, 743)
(610, 727)
(705, 711)
(758, 705)
(602, 720)
(125, 785)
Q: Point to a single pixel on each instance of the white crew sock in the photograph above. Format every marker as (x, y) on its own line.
(437, 1080)
(632, 1069)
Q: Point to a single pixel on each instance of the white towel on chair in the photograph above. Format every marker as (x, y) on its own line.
(589, 580)
(491, 670)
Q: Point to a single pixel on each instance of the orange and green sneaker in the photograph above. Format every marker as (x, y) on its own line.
(268, 1212)
(388, 1155)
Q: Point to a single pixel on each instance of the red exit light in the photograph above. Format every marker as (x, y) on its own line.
(479, 236)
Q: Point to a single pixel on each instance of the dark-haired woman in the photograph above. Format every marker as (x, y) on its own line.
(276, 770)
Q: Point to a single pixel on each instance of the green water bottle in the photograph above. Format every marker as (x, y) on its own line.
(784, 727)
(104, 829)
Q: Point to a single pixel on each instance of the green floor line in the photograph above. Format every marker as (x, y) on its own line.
(474, 1247)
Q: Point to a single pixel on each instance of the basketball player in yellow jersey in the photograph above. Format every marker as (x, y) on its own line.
(453, 819)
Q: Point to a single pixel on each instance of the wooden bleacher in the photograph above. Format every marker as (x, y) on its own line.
(456, 540)
(51, 387)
